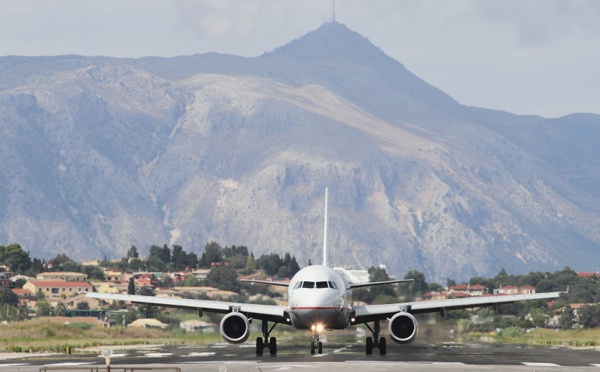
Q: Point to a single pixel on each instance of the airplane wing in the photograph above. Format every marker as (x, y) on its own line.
(368, 313)
(272, 313)
(265, 282)
(370, 284)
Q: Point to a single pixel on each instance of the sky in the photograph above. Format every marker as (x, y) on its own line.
(537, 57)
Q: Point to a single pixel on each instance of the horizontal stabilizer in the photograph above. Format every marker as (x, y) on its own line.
(370, 284)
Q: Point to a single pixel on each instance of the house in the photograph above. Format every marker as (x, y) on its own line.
(512, 290)
(589, 274)
(145, 279)
(434, 296)
(476, 290)
(107, 287)
(179, 277)
(114, 275)
(5, 279)
(24, 295)
(56, 288)
(200, 274)
(91, 263)
(66, 276)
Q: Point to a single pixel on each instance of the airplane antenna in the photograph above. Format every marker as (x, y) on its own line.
(326, 232)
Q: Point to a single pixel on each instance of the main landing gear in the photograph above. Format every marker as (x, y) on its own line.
(271, 344)
(376, 341)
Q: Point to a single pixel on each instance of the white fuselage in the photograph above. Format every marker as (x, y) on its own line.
(319, 296)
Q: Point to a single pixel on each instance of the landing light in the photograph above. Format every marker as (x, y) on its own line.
(317, 327)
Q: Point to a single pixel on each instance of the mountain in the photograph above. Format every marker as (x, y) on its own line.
(99, 153)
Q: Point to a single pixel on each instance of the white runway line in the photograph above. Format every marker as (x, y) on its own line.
(14, 365)
(158, 355)
(541, 364)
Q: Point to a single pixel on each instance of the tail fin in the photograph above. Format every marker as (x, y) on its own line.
(326, 232)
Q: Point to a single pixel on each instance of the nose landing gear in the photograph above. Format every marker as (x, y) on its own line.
(316, 345)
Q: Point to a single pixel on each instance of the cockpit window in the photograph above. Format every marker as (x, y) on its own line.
(308, 284)
(322, 285)
(305, 284)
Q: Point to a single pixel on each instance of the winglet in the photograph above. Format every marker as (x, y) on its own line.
(326, 232)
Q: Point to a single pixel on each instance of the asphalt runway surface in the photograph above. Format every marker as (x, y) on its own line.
(336, 356)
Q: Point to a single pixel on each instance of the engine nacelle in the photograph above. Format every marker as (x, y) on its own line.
(235, 328)
(403, 328)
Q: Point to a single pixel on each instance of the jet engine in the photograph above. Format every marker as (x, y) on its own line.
(403, 328)
(235, 328)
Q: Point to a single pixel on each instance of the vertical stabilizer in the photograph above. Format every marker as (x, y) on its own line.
(326, 232)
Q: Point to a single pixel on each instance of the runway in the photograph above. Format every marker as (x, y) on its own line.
(339, 356)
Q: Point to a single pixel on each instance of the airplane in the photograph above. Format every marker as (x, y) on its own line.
(320, 299)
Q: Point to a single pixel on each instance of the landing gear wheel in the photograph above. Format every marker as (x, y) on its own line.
(382, 346)
(312, 348)
(259, 346)
(320, 347)
(369, 346)
(273, 346)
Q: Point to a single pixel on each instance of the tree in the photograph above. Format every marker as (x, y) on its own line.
(419, 285)
(8, 312)
(379, 274)
(13, 256)
(178, 258)
(212, 253)
(61, 309)
(191, 281)
(40, 295)
(250, 264)
(567, 318)
(191, 260)
(146, 291)
(8, 297)
(133, 252)
(42, 308)
(93, 272)
(159, 258)
(136, 264)
(589, 316)
(131, 287)
(83, 305)
(223, 277)
(167, 281)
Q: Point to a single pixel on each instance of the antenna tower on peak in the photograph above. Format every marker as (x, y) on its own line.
(333, 13)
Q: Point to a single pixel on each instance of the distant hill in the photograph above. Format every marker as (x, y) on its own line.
(99, 153)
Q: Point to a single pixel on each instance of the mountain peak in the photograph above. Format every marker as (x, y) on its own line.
(332, 41)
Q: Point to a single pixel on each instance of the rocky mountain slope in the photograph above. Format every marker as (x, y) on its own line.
(98, 153)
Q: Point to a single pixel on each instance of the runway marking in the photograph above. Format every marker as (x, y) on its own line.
(13, 365)
(596, 365)
(157, 355)
(541, 364)
(406, 363)
(114, 356)
(205, 354)
(69, 364)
